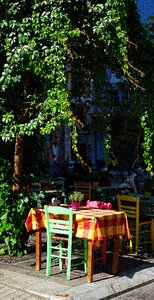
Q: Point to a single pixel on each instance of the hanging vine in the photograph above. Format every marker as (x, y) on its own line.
(147, 144)
(38, 40)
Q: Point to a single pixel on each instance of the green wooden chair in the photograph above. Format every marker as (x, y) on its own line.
(60, 240)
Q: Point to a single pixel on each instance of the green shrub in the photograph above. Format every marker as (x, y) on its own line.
(14, 208)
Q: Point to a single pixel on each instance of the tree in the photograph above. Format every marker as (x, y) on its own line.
(39, 39)
(33, 81)
(54, 54)
(142, 56)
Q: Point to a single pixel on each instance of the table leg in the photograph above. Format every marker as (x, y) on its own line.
(117, 245)
(90, 262)
(38, 250)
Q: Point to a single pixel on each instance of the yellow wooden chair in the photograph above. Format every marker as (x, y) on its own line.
(83, 187)
(140, 228)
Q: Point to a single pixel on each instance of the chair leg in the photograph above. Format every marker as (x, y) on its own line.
(61, 244)
(69, 260)
(85, 255)
(65, 261)
(49, 260)
(137, 243)
(131, 244)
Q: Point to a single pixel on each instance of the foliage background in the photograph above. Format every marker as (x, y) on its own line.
(53, 55)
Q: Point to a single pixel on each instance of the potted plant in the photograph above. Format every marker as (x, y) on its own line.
(76, 197)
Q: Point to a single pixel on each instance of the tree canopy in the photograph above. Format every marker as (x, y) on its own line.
(47, 44)
(54, 54)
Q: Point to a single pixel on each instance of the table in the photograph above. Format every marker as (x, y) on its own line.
(92, 224)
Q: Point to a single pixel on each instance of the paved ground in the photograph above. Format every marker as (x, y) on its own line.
(19, 280)
(145, 292)
(8, 292)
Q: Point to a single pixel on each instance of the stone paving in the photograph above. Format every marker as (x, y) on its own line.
(19, 280)
(145, 292)
(10, 290)
(7, 292)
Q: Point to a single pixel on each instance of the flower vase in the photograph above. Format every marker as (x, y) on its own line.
(75, 205)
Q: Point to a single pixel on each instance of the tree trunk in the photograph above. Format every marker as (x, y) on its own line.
(18, 158)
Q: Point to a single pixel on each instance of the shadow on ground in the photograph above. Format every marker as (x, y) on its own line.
(127, 262)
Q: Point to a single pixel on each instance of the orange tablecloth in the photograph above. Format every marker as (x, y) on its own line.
(92, 224)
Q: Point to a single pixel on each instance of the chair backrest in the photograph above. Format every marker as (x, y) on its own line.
(58, 220)
(83, 187)
(130, 205)
(98, 204)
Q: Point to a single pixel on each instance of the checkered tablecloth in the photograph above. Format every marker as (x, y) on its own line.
(92, 224)
(35, 219)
